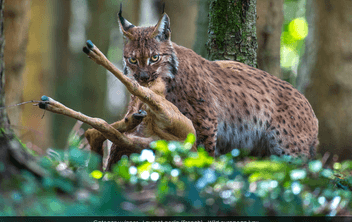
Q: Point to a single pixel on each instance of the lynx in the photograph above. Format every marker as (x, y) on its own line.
(230, 104)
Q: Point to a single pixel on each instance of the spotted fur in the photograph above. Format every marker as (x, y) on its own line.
(230, 104)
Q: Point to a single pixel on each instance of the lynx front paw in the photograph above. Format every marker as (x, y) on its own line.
(140, 115)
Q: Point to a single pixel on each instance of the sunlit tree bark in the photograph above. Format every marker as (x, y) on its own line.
(269, 26)
(327, 67)
(13, 157)
(37, 75)
(16, 24)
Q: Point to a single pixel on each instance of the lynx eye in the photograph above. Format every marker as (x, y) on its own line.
(132, 60)
(154, 58)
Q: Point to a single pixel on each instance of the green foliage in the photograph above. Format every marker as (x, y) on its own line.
(179, 182)
(295, 30)
(67, 189)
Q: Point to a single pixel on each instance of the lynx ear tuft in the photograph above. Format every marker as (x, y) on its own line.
(162, 29)
(124, 25)
(163, 8)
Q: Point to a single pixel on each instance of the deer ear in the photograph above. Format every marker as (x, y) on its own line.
(124, 25)
(162, 29)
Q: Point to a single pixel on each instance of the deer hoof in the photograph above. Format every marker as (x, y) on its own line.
(140, 115)
(44, 98)
(86, 50)
(90, 44)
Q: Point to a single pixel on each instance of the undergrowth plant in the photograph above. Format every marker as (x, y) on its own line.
(175, 181)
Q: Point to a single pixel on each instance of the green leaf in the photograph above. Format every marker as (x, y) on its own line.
(253, 205)
(315, 166)
(298, 174)
(97, 174)
(65, 184)
(264, 166)
(163, 189)
(94, 161)
(144, 167)
(346, 165)
(200, 159)
(298, 28)
(45, 162)
(122, 169)
(190, 140)
(78, 156)
(160, 145)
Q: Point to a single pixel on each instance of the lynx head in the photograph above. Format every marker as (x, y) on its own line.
(148, 52)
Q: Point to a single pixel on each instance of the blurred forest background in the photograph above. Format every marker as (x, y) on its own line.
(305, 42)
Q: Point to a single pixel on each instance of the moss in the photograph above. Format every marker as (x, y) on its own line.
(202, 29)
(232, 32)
(224, 18)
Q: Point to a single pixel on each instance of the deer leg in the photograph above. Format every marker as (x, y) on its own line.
(158, 104)
(144, 94)
(106, 129)
(117, 151)
(96, 138)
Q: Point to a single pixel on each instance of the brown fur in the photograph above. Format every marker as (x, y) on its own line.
(230, 104)
(163, 119)
(128, 124)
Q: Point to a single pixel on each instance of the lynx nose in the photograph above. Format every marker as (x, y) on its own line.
(143, 76)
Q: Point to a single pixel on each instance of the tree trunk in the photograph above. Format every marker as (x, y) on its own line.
(16, 24)
(183, 14)
(327, 61)
(118, 96)
(67, 81)
(94, 77)
(12, 155)
(269, 27)
(201, 37)
(82, 84)
(37, 76)
(232, 31)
